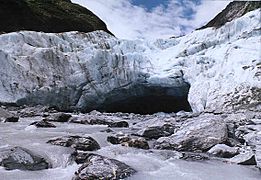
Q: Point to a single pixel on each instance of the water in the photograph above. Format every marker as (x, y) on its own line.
(151, 165)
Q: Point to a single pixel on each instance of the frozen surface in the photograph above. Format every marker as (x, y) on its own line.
(151, 165)
(78, 70)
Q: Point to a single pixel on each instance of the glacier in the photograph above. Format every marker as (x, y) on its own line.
(207, 70)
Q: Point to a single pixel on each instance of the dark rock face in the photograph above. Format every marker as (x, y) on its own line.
(47, 16)
(23, 159)
(77, 142)
(234, 10)
(99, 167)
(43, 124)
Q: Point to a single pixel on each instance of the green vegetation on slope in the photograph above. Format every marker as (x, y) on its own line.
(47, 16)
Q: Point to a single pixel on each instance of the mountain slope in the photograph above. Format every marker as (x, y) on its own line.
(233, 10)
(214, 69)
(47, 16)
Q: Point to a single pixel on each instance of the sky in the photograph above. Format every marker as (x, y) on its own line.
(151, 19)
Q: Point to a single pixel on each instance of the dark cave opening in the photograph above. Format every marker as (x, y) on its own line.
(142, 99)
(149, 105)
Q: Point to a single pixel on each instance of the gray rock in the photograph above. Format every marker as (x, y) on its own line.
(188, 156)
(79, 143)
(33, 111)
(139, 143)
(247, 158)
(80, 157)
(7, 116)
(100, 167)
(43, 124)
(23, 159)
(224, 151)
(107, 130)
(60, 117)
(119, 124)
(156, 132)
(12, 119)
(113, 140)
(199, 134)
(98, 121)
(254, 141)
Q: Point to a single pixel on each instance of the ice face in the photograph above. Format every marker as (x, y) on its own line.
(81, 70)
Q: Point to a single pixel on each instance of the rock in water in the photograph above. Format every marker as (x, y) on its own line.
(43, 124)
(224, 151)
(77, 142)
(99, 167)
(156, 132)
(60, 117)
(119, 124)
(247, 158)
(199, 134)
(12, 119)
(23, 159)
(7, 116)
(139, 143)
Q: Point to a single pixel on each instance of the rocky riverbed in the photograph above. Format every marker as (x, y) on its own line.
(41, 143)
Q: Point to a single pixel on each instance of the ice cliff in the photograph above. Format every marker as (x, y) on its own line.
(207, 70)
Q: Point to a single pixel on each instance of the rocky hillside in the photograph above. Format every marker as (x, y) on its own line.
(234, 10)
(47, 16)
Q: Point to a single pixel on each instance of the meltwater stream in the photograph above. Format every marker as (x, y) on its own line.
(151, 165)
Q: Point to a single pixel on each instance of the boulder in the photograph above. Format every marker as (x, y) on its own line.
(79, 143)
(100, 167)
(60, 117)
(7, 116)
(119, 124)
(188, 156)
(139, 143)
(80, 157)
(113, 140)
(224, 151)
(156, 132)
(12, 119)
(199, 134)
(23, 159)
(43, 124)
(99, 121)
(254, 141)
(107, 130)
(247, 158)
(33, 111)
